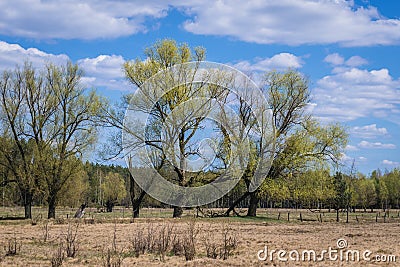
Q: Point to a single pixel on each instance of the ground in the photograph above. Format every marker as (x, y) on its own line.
(98, 234)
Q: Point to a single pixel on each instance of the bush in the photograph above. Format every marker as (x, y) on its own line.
(13, 247)
(58, 256)
(189, 240)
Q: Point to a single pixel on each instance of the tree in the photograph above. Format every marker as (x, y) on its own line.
(275, 190)
(392, 182)
(76, 189)
(383, 194)
(56, 117)
(301, 141)
(135, 191)
(16, 160)
(314, 186)
(183, 124)
(366, 193)
(341, 197)
(18, 152)
(113, 189)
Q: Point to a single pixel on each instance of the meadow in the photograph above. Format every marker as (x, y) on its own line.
(155, 239)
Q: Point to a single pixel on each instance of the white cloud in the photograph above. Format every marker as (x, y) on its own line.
(369, 131)
(280, 61)
(341, 65)
(390, 163)
(102, 71)
(334, 59)
(356, 61)
(347, 160)
(377, 145)
(357, 93)
(293, 22)
(280, 21)
(77, 19)
(12, 55)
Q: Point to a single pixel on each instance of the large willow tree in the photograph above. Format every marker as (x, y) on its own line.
(164, 55)
(302, 142)
(47, 120)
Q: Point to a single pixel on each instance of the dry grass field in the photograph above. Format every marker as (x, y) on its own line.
(103, 240)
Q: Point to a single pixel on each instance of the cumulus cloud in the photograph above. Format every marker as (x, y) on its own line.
(357, 93)
(280, 61)
(102, 71)
(294, 22)
(356, 61)
(369, 131)
(377, 145)
(334, 59)
(12, 55)
(77, 19)
(341, 64)
(267, 22)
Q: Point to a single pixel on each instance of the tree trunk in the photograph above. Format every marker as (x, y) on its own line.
(52, 208)
(135, 201)
(109, 205)
(28, 210)
(136, 204)
(27, 200)
(252, 211)
(178, 211)
(337, 215)
(234, 204)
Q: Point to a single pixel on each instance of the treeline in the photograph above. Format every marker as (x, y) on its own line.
(317, 189)
(104, 186)
(97, 185)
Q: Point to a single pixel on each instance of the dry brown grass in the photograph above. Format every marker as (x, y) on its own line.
(251, 236)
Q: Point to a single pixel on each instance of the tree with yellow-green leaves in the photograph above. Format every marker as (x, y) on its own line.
(302, 142)
(75, 190)
(363, 192)
(49, 120)
(312, 188)
(113, 189)
(161, 56)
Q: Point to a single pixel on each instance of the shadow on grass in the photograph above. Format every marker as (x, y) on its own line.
(11, 218)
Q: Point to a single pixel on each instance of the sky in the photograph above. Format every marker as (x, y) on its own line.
(349, 50)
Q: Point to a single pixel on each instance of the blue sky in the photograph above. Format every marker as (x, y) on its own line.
(350, 50)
